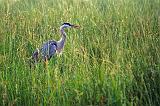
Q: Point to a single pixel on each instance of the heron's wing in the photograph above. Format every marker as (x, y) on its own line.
(48, 49)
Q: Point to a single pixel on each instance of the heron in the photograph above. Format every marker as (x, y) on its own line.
(52, 47)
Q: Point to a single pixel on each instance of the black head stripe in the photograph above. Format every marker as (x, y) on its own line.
(67, 24)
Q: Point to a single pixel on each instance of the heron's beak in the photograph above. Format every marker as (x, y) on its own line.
(76, 26)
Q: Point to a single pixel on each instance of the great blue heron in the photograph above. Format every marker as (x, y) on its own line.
(52, 47)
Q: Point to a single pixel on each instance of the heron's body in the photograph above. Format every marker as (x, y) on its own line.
(48, 49)
(52, 47)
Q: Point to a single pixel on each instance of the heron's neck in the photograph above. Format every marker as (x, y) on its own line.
(61, 42)
(63, 34)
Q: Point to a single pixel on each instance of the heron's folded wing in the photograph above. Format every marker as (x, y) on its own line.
(48, 49)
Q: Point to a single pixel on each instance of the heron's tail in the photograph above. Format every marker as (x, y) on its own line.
(35, 55)
(34, 58)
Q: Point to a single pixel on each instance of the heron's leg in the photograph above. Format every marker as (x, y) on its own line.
(46, 62)
(62, 65)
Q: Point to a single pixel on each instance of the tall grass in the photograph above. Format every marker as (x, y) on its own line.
(114, 59)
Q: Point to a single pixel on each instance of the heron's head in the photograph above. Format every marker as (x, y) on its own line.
(68, 25)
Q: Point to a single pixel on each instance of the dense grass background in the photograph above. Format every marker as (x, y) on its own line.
(114, 59)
